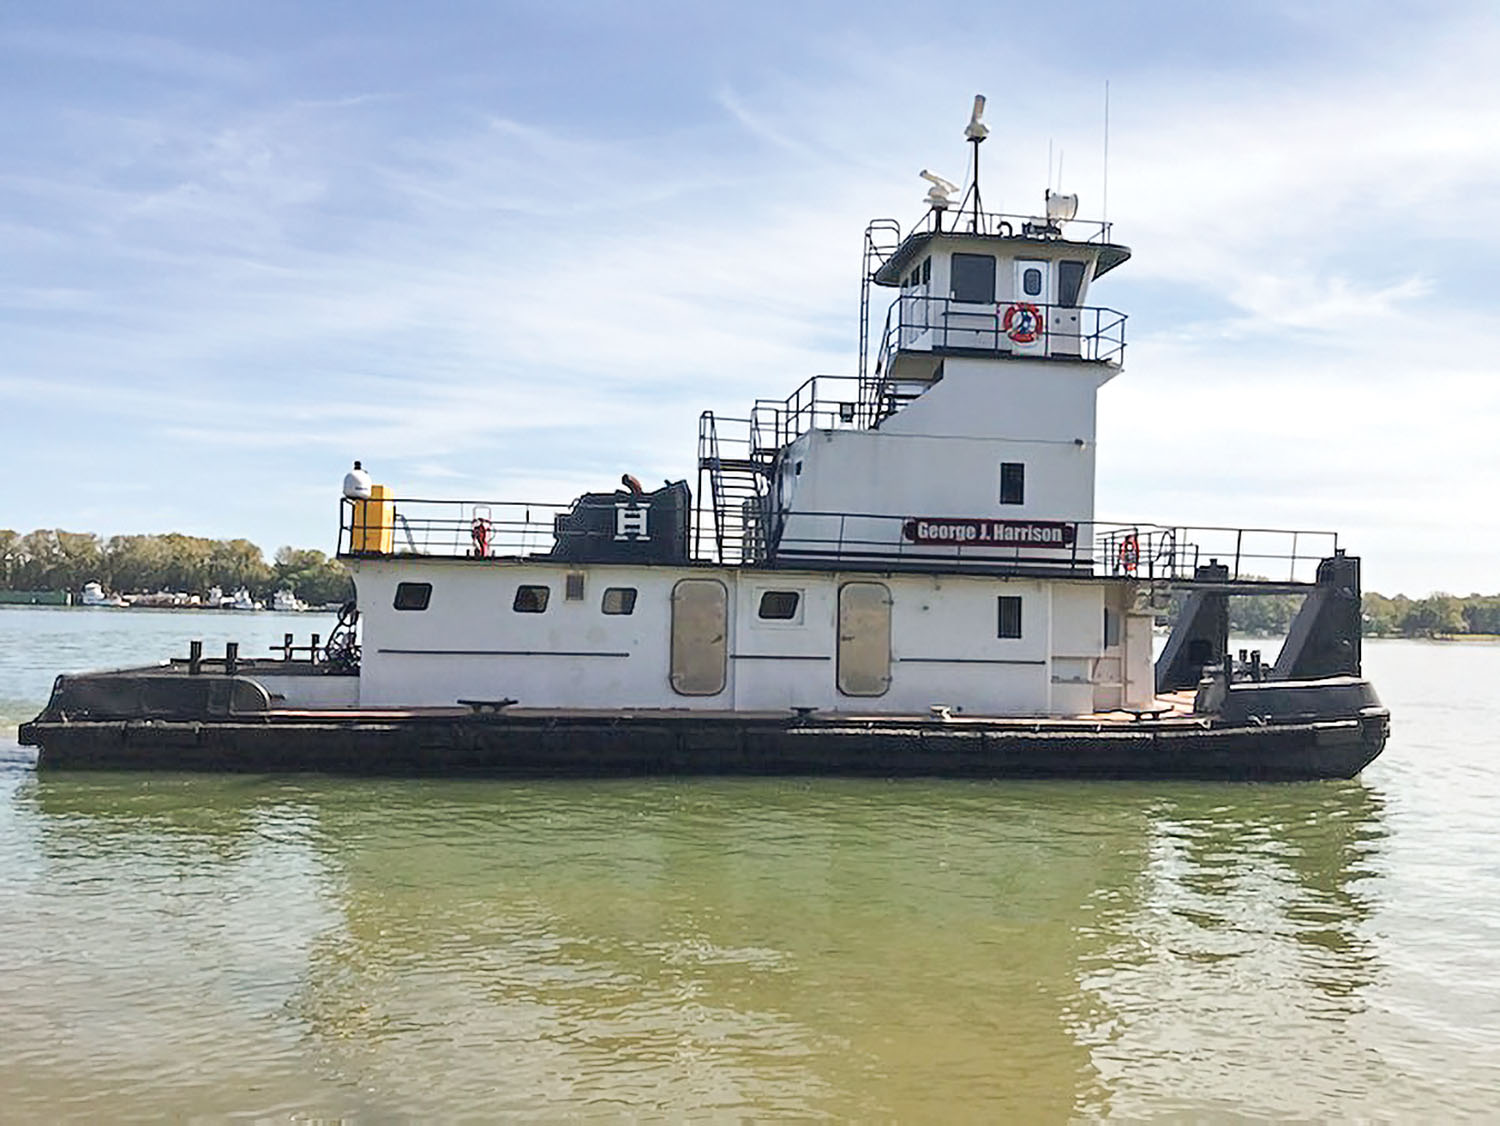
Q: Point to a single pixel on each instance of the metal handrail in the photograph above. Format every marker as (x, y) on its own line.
(1141, 550)
(1004, 224)
(920, 323)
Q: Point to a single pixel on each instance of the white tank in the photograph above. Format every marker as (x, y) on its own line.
(357, 483)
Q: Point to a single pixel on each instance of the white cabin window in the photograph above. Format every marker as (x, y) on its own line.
(1012, 482)
(1010, 616)
(780, 605)
(1111, 628)
(1031, 281)
(573, 586)
(974, 278)
(531, 599)
(927, 269)
(413, 596)
(618, 600)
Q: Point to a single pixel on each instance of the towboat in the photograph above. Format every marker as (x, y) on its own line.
(894, 573)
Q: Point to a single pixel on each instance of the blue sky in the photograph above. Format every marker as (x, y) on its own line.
(510, 251)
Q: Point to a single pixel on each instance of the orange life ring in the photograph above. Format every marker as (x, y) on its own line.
(1130, 552)
(1022, 323)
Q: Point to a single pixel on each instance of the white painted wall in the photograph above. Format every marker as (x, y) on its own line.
(471, 644)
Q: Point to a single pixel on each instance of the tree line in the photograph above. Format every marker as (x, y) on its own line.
(52, 559)
(1437, 615)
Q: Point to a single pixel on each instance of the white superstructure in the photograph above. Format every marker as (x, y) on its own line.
(921, 535)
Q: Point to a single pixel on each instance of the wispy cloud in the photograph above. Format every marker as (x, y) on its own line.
(209, 253)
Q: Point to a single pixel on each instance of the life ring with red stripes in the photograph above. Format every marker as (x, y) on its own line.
(1022, 323)
(480, 530)
(1130, 552)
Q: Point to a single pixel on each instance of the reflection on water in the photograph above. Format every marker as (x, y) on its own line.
(738, 948)
(175, 946)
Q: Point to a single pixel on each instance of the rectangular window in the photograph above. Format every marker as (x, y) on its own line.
(926, 269)
(1031, 281)
(779, 605)
(531, 599)
(1069, 283)
(974, 278)
(1010, 616)
(1111, 628)
(413, 596)
(618, 600)
(573, 586)
(1012, 482)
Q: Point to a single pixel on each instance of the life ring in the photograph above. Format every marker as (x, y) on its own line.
(480, 530)
(1022, 323)
(1130, 552)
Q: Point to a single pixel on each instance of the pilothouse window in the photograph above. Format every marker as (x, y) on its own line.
(974, 278)
(1069, 282)
(1031, 282)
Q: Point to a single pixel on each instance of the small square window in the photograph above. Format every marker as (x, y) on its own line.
(413, 596)
(618, 600)
(1012, 482)
(779, 605)
(531, 599)
(1010, 616)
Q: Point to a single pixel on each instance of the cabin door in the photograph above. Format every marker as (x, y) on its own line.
(1030, 308)
(864, 657)
(700, 637)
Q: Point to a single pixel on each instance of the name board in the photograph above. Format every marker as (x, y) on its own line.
(989, 533)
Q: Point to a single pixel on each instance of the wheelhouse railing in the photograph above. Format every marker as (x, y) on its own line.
(919, 323)
(1008, 225)
(854, 541)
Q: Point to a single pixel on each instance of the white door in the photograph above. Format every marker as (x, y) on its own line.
(1025, 319)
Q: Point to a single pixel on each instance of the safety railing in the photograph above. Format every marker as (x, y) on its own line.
(824, 402)
(1147, 552)
(918, 323)
(1009, 225)
(447, 528)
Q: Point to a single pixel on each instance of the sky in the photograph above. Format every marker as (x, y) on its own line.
(510, 251)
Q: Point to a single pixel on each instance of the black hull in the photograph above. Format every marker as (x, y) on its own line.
(595, 745)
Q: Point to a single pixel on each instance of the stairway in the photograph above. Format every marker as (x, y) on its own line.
(737, 495)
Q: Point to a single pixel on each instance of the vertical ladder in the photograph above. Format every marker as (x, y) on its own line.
(882, 237)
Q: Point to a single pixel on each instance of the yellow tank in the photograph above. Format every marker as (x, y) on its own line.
(374, 529)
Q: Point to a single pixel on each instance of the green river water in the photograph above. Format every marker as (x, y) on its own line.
(286, 948)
